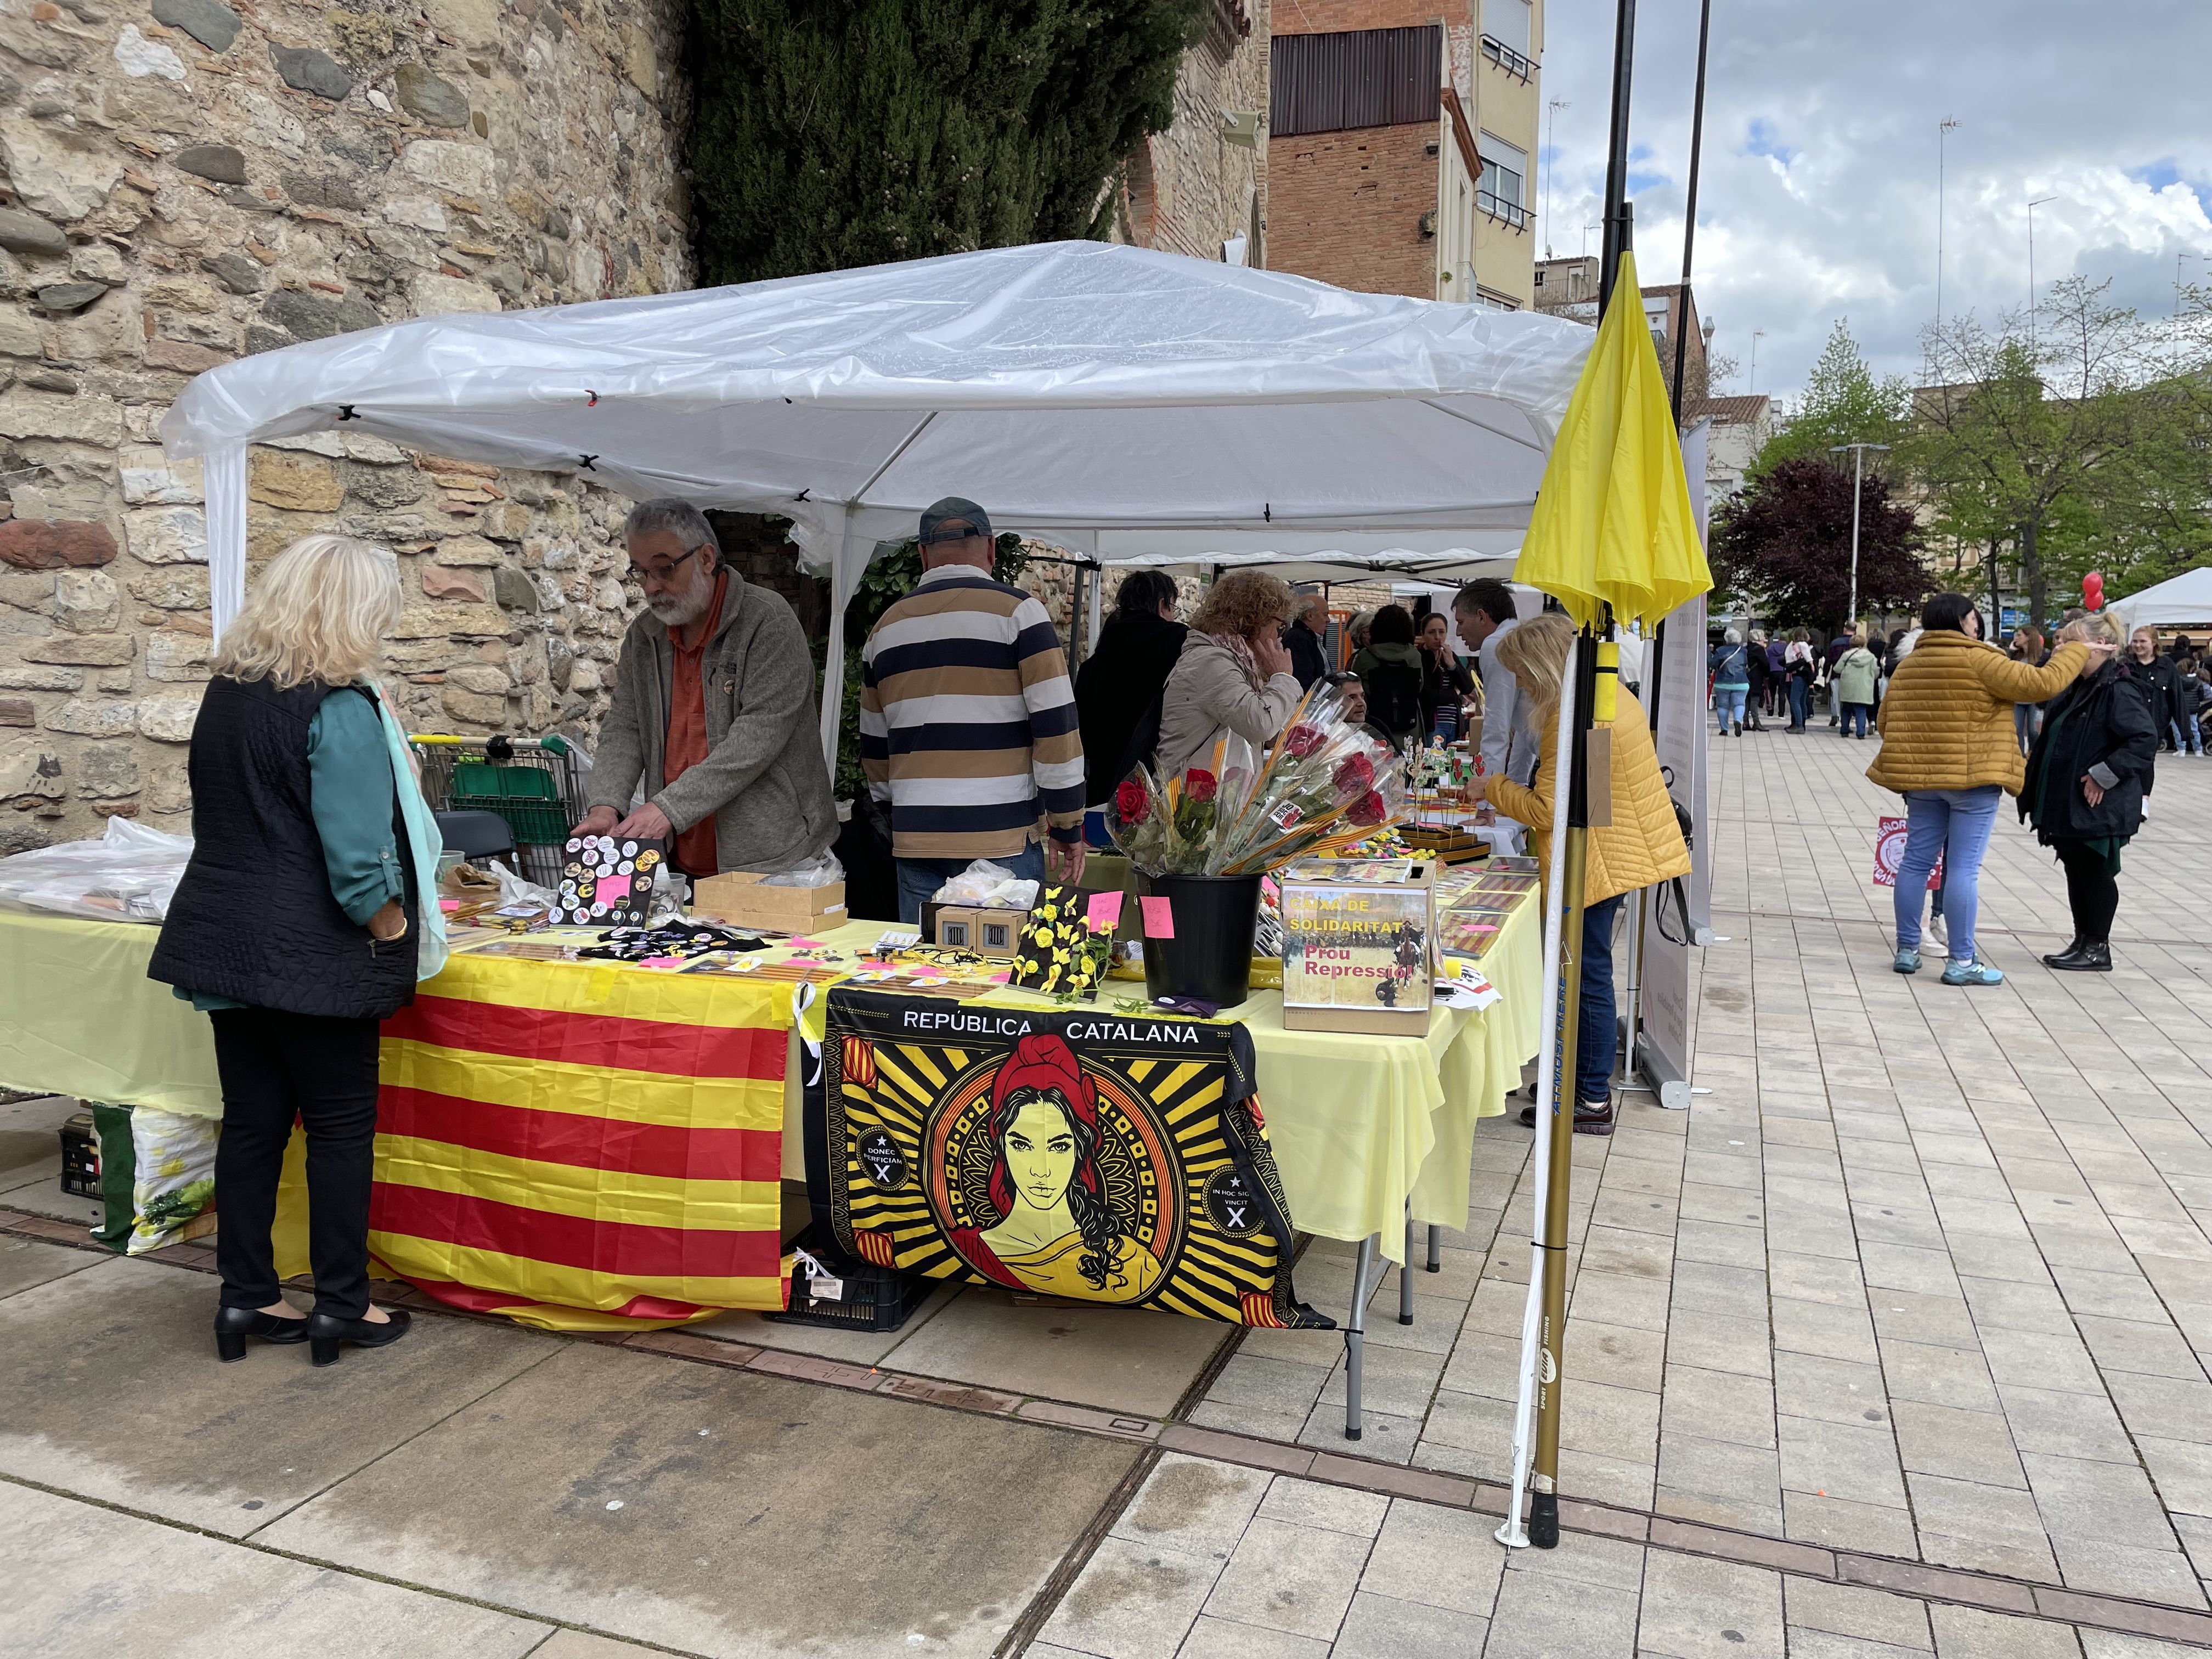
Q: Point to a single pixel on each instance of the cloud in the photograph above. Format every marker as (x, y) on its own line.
(1818, 194)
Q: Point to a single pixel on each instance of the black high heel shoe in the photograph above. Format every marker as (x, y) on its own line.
(233, 1325)
(326, 1334)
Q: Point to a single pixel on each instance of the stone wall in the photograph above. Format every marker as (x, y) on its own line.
(189, 181)
(1190, 189)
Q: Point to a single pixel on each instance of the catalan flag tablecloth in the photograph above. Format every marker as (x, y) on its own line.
(583, 1146)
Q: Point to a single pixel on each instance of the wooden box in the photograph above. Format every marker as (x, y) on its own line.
(741, 899)
(1359, 946)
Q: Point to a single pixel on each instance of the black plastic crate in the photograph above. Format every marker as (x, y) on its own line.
(80, 1157)
(870, 1298)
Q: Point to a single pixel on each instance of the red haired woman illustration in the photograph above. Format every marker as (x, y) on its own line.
(1055, 1232)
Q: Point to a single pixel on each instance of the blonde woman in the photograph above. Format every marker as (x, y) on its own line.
(1640, 847)
(1233, 675)
(303, 919)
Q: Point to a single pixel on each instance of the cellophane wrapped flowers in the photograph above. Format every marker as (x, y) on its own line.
(1324, 780)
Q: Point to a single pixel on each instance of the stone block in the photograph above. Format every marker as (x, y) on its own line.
(429, 97)
(61, 298)
(515, 590)
(27, 234)
(168, 718)
(316, 316)
(441, 582)
(168, 535)
(83, 650)
(149, 476)
(52, 543)
(19, 333)
(222, 164)
(310, 70)
(451, 164)
(106, 772)
(176, 588)
(31, 775)
(467, 549)
(480, 677)
(640, 64)
(210, 22)
(473, 706)
(92, 717)
(59, 175)
(18, 711)
(86, 602)
(450, 620)
(383, 488)
(297, 483)
(472, 23)
(168, 788)
(435, 295)
(139, 56)
(98, 262)
(30, 676)
(81, 417)
(238, 272)
(183, 357)
(175, 656)
(419, 212)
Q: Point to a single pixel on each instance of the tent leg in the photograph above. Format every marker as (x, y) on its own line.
(1435, 1261)
(1406, 1271)
(1355, 1335)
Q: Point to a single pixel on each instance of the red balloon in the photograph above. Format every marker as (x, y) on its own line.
(2093, 591)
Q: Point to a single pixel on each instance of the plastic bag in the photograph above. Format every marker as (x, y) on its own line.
(988, 885)
(814, 873)
(127, 875)
(514, 889)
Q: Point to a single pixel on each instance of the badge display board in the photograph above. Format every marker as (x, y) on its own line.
(1095, 1157)
(1357, 944)
(606, 880)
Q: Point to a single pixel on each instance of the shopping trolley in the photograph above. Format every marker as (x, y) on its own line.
(530, 782)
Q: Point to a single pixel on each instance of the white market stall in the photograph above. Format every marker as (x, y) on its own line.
(1121, 404)
(2183, 601)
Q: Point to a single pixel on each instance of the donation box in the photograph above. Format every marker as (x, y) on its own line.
(1358, 939)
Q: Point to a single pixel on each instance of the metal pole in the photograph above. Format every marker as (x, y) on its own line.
(1690, 222)
(1616, 214)
(1858, 488)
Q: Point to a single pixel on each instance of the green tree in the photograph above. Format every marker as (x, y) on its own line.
(835, 133)
(1844, 401)
(1784, 542)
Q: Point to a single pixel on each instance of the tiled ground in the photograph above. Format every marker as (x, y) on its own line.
(1925, 1276)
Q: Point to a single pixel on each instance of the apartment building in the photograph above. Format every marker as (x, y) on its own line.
(1399, 145)
(1569, 287)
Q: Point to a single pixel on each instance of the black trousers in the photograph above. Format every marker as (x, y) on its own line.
(276, 1067)
(2090, 891)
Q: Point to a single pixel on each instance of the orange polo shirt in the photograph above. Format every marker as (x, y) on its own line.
(686, 744)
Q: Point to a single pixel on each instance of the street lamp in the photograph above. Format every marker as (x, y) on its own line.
(2035, 202)
(1858, 474)
(1757, 335)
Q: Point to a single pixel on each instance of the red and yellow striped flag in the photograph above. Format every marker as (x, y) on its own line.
(584, 1147)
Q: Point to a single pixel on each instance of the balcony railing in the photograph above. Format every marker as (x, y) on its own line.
(1499, 208)
(1512, 61)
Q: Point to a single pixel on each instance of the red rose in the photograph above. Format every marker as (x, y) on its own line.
(1302, 740)
(1369, 809)
(1356, 777)
(1199, 785)
(1130, 800)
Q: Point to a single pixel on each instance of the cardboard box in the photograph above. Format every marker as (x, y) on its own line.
(987, 930)
(740, 899)
(1359, 946)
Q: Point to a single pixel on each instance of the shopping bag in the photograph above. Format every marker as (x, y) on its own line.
(1889, 855)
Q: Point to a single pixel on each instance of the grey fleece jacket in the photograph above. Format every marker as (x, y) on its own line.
(763, 777)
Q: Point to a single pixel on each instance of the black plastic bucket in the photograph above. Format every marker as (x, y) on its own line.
(1210, 957)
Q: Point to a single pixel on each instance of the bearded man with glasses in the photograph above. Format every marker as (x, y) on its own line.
(712, 718)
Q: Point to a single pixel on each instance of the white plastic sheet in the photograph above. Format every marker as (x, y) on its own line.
(128, 875)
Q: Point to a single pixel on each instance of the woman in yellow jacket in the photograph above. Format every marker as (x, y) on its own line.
(1950, 748)
(1642, 846)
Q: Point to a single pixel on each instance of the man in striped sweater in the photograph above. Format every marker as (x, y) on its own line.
(968, 721)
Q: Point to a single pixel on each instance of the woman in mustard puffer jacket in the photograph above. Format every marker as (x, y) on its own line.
(1643, 845)
(1949, 748)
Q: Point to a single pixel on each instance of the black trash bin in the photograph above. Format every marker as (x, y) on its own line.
(1210, 957)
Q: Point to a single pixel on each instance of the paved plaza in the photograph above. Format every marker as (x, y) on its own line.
(1894, 1344)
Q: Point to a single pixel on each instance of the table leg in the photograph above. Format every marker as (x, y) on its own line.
(1355, 1336)
(1405, 1272)
(1436, 1263)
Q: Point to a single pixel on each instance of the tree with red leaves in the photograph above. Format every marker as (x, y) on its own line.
(1786, 543)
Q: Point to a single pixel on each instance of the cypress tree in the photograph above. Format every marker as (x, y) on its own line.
(835, 133)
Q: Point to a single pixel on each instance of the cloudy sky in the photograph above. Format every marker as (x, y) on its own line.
(1817, 195)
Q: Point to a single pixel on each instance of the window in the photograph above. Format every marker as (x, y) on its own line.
(1504, 175)
(1506, 22)
(1657, 308)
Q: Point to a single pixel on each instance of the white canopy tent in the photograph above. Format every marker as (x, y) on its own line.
(2183, 601)
(1121, 404)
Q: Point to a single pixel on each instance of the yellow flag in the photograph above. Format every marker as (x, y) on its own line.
(1613, 524)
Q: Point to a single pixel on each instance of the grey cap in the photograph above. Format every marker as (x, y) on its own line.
(954, 519)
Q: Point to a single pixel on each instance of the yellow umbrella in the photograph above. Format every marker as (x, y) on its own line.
(1613, 523)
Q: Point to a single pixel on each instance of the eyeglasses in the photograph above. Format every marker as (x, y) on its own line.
(659, 574)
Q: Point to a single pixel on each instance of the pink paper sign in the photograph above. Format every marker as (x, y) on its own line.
(1104, 913)
(610, 891)
(1159, 918)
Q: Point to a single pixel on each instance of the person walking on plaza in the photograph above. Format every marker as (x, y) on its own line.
(1730, 664)
(1948, 748)
(1759, 700)
(968, 730)
(1857, 671)
(2083, 791)
(711, 713)
(1118, 692)
(1307, 638)
(1233, 675)
(1642, 845)
(307, 914)
(1798, 671)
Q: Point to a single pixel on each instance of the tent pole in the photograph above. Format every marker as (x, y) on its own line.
(1617, 209)
(842, 580)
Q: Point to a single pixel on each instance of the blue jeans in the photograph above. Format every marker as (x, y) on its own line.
(1801, 700)
(1728, 705)
(2184, 734)
(1597, 1035)
(1955, 822)
(919, 879)
(1856, 711)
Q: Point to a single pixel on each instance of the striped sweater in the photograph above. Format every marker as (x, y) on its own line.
(968, 722)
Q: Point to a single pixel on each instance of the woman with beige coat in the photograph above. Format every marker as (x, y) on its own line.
(1949, 748)
(1234, 674)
